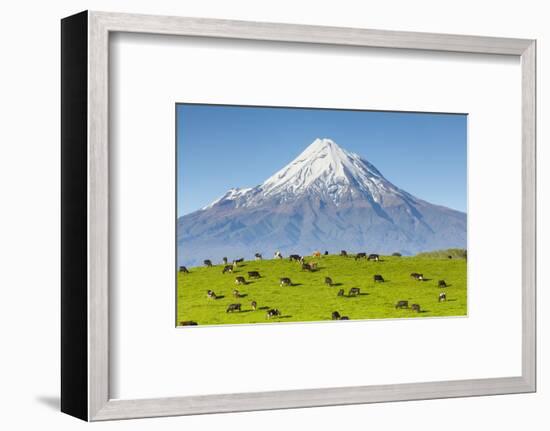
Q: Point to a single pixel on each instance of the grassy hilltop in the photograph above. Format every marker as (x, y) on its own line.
(309, 299)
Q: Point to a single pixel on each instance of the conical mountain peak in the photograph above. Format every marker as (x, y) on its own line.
(325, 166)
(324, 170)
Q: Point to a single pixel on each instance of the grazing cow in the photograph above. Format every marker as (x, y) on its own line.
(240, 280)
(277, 255)
(343, 253)
(415, 307)
(316, 254)
(295, 257)
(306, 267)
(441, 283)
(224, 260)
(239, 260)
(335, 315)
(227, 268)
(285, 281)
(207, 262)
(328, 281)
(374, 257)
(360, 256)
(272, 313)
(402, 304)
(340, 292)
(379, 278)
(184, 269)
(442, 297)
(233, 307)
(254, 304)
(326, 253)
(354, 291)
(417, 276)
(211, 295)
(253, 274)
(188, 323)
(258, 256)
(236, 293)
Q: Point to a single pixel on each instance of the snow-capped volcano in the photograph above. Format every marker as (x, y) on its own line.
(325, 198)
(323, 169)
(326, 168)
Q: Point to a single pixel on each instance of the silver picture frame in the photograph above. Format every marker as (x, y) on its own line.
(85, 215)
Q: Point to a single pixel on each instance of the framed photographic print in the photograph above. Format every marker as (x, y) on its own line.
(281, 201)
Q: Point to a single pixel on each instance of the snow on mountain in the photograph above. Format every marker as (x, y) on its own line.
(323, 168)
(325, 198)
(326, 165)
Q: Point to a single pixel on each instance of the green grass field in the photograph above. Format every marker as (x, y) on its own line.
(309, 299)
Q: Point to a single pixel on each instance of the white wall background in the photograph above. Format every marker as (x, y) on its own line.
(29, 215)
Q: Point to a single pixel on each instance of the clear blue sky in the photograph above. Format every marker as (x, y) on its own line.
(220, 147)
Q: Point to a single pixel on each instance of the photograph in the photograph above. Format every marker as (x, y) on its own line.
(307, 214)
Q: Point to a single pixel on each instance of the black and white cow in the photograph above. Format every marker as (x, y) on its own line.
(415, 307)
(442, 297)
(340, 292)
(417, 276)
(441, 283)
(272, 313)
(378, 278)
(374, 257)
(354, 291)
(402, 304)
(336, 315)
(233, 307)
(207, 262)
(343, 253)
(240, 280)
(253, 274)
(227, 268)
(285, 281)
(210, 294)
(184, 269)
(258, 256)
(328, 281)
(360, 256)
(295, 257)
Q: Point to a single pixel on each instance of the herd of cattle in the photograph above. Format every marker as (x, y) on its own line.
(310, 267)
